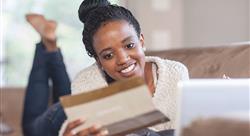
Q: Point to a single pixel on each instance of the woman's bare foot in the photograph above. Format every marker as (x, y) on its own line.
(46, 29)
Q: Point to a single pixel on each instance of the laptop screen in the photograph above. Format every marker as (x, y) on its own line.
(212, 98)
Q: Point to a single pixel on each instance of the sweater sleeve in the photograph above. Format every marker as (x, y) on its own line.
(166, 94)
(182, 70)
(88, 79)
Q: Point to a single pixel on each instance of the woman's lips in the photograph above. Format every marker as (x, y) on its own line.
(128, 70)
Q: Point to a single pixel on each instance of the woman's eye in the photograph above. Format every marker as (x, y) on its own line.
(108, 56)
(131, 45)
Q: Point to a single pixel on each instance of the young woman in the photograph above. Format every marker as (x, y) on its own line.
(113, 36)
(39, 119)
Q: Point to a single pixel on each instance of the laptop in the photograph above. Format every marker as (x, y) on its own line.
(212, 98)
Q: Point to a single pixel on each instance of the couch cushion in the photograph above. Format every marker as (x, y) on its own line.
(212, 62)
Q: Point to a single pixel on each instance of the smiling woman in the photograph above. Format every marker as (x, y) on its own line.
(112, 35)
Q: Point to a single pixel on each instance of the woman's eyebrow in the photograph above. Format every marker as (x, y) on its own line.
(103, 50)
(123, 41)
(126, 39)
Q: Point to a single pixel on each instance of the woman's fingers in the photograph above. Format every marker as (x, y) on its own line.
(95, 130)
(103, 133)
(225, 77)
(68, 131)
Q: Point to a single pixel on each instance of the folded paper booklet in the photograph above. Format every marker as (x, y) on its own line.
(122, 107)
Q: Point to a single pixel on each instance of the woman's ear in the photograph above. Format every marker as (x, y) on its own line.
(142, 42)
(98, 63)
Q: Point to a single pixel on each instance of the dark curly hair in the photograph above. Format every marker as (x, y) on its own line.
(94, 13)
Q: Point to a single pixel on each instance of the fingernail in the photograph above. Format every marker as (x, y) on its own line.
(105, 132)
(73, 132)
(82, 119)
(97, 126)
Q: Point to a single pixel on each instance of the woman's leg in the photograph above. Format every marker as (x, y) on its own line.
(56, 66)
(37, 91)
(58, 74)
(38, 119)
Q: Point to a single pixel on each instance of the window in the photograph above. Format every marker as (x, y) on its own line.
(20, 38)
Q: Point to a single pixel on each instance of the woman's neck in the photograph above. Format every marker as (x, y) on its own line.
(148, 77)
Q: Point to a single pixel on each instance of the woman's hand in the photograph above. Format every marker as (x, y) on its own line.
(95, 130)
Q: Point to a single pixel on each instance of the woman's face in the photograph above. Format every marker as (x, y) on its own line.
(119, 50)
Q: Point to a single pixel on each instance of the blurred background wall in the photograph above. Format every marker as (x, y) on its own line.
(215, 22)
(171, 24)
(166, 24)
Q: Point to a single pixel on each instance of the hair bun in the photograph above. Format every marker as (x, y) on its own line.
(88, 5)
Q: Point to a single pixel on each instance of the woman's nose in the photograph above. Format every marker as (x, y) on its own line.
(122, 57)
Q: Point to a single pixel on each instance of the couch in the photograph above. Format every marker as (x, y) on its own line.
(212, 62)
(208, 62)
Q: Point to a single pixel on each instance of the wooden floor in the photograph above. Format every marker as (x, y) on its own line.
(11, 108)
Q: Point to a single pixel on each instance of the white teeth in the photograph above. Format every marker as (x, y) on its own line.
(128, 69)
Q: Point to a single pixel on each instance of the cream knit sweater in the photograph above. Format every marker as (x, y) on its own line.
(165, 96)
